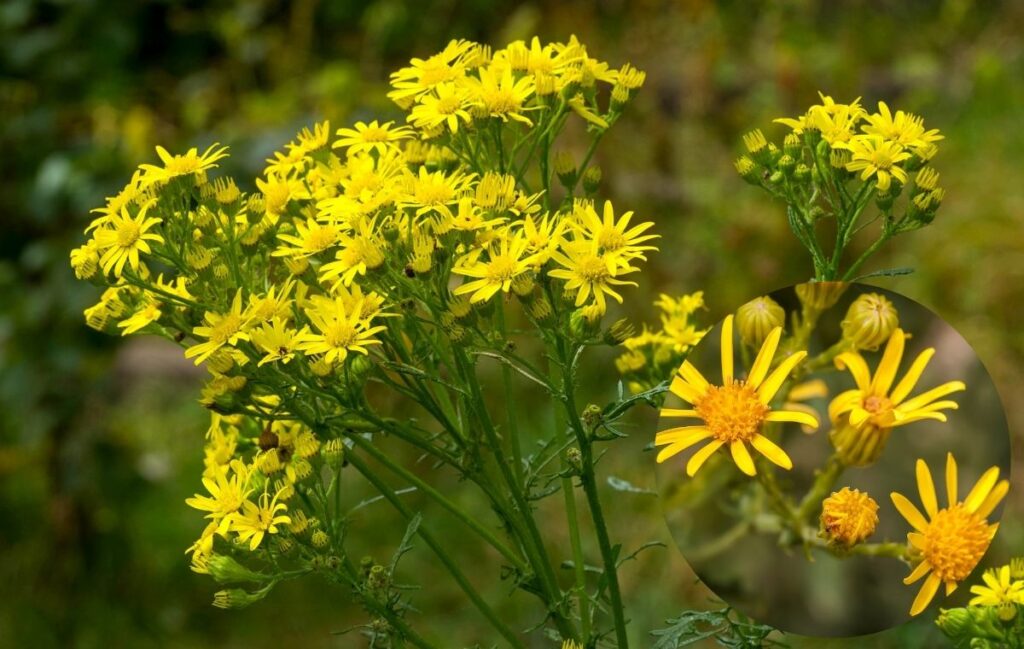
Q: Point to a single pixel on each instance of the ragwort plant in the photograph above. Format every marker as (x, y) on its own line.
(399, 259)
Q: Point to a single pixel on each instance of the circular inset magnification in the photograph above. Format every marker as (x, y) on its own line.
(821, 445)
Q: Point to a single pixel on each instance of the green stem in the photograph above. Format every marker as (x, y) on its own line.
(824, 481)
(864, 257)
(589, 482)
(438, 550)
(454, 509)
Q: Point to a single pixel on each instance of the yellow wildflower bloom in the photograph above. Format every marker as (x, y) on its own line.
(875, 156)
(278, 191)
(357, 254)
(952, 540)
(123, 237)
(255, 521)
(228, 489)
(219, 330)
(875, 402)
(498, 94)
(447, 106)
(588, 272)
(904, 129)
(309, 239)
(147, 313)
(364, 138)
(734, 412)
(276, 340)
(617, 240)
(423, 75)
(341, 329)
(190, 163)
(999, 588)
(504, 263)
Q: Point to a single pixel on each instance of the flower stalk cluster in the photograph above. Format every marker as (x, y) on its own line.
(404, 264)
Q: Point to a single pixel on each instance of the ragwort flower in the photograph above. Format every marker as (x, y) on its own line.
(734, 412)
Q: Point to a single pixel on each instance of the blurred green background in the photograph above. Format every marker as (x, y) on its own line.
(100, 441)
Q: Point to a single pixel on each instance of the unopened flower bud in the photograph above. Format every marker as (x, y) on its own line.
(848, 517)
(333, 452)
(747, 169)
(540, 309)
(757, 318)
(237, 598)
(787, 164)
(591, 416)
(228, 571)
(591, 179)
(574, 458)
(820, 296)
(619, 332)
(460, 307)
(581, 326)
(565, 168)
(802, 172)
(858, 446)
(870, 321)
(791, 145)
(319, 539)
(378, 578)
(757, 146)
(523, 285)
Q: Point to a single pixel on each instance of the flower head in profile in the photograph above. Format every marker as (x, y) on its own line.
(949, 541)
(876, 402)
(364, 138)
(733, 413)
(1000, 588)
(190, 163)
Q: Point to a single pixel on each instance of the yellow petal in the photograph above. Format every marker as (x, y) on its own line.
(919, 571)
(950, 587)
(909, 512)
(773, 452)
(684, 390)
(670, 451)
(926, 488)
(994, 498)
(854, 362)
(910, 379)
(815, 388)
(741, 456)
(981, 489)
(843, 402)
(890, 363)
(688, 435)
(805, 409)
(951, 492)
(925, 398)
(926, 594)
(858, 416)
(917, 540)
(804, 418)
(701, 456)
(764, 358)
(727, 350)
(766, 391)
(677, 412)
(693, 376)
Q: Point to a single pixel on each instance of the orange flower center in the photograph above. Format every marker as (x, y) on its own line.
(954, 543)
(877, 404)
(732, 412)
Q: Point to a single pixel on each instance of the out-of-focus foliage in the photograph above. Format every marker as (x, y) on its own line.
(92, 461)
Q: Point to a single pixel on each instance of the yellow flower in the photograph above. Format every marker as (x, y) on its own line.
(364, 138)
(147, 313)
(276, 340)
(617, 240)
(875, 156)
(256, 520)
(123, 237)
(423, 75)
(875, 402)
(309, 239)
(590, 273)
(952, 540)
(342, 330)
(904, 129)
(219, 330)
(498, 94)
(435, 191)
(227, 493)
(849, 516)
(579, 106)
(733, 413)
(278, 191)
(447, 106)
(357, 253)
(504, 263)
(836, 125)
(188, 164)
(999, 589)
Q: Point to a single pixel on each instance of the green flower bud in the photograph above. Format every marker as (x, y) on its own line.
(228, 571)
(319, 539)
(869, 321)
(748, 170)
(565, 168)
(620, 331)
(591, 416)
(820, 295)
(582, 327)
(591, 179)
(787, 164)
(791, 145)
(237, 598)
(756, 319)
(802, 172)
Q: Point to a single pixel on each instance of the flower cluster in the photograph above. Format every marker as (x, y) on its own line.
(388, 256)
(653, 354)
(835, 160)
(751, 409)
